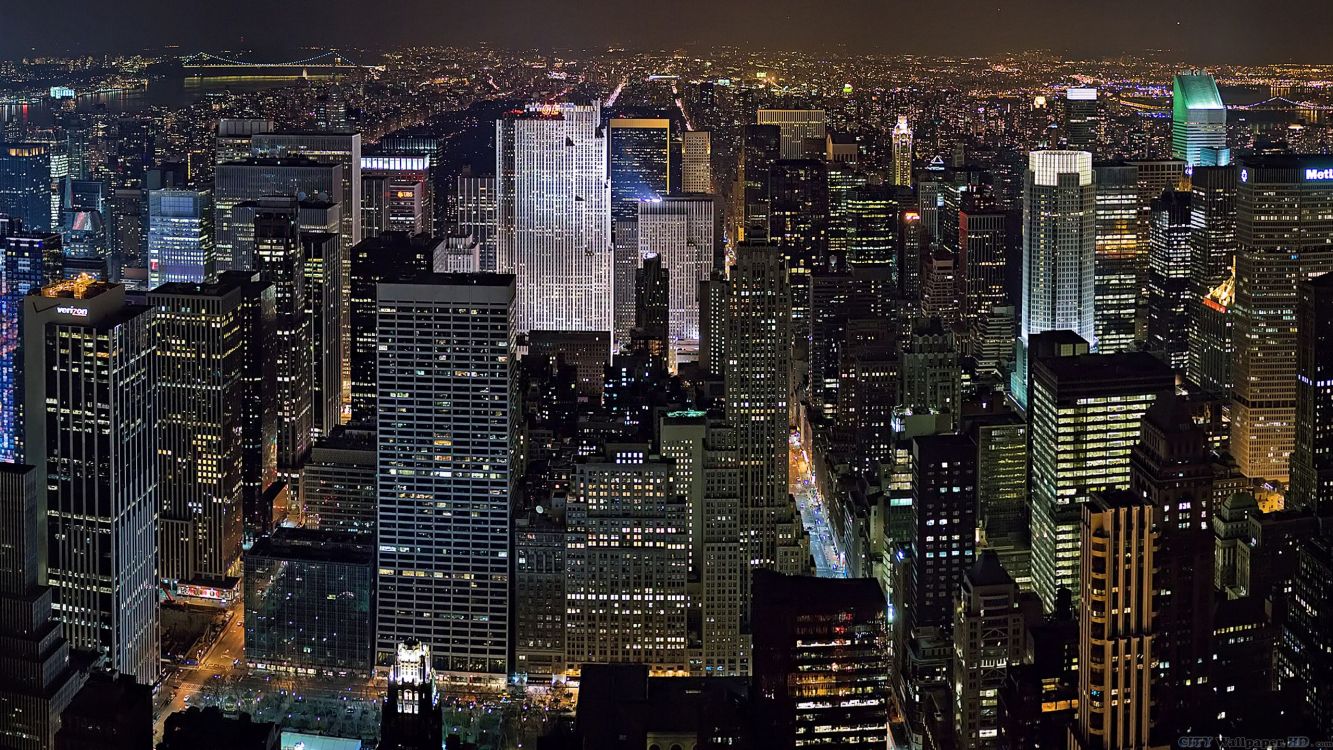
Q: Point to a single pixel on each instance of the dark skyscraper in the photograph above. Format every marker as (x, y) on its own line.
(37, 678)
(1170, 468)
(259, 401)
(761, 147)
(278, 259)
(1170, 289)
(640, 159)
(832, 634)
(25, 184)
(944, 510)
(386, 257)
(1312, 456)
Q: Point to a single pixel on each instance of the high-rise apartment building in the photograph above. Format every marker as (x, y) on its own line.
(1284, 228)
(554, 216)
(1198, 120)
(180, 237)
(696, 162)
(1059, 196)
(447, 467)
(200, 378)
(1085, 413)
(1119, 260)
(90, 429)
(802, 131)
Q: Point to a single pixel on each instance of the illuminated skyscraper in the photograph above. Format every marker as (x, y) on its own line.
(1284, 225)
(696, 162)
(1085, 413)
(448, 447)
(554, 216)
(1312, 456)
(1119, 257)
(396, 194)
(31, 260)
(758, 376)
(802, 131)
(1115, 643)
(197, 329)
(25, 184)
(944, 522)
(341, 148)
(180, 237)
(91, 433)
(806, 633)
(704, 450)
(411, 718)
(477, 217)
(1198, 120)
(1058, 252)
(1081, 118)
(686, 233)
(902, 152)
(627, 561)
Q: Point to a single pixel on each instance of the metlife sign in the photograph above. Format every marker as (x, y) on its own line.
(1319, 174)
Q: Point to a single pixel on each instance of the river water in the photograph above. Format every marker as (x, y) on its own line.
(161, 92)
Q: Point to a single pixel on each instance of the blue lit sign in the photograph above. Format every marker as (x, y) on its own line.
(1313, 174)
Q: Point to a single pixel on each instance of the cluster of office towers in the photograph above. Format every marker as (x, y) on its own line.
(300, 345)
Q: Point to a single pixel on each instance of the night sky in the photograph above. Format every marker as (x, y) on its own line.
(1206, 31)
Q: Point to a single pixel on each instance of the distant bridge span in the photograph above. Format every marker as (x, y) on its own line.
(326, 61)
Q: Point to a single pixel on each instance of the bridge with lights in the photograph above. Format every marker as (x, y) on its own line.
(325, 63)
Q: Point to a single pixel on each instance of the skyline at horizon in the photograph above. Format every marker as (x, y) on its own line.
(1133, 27)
